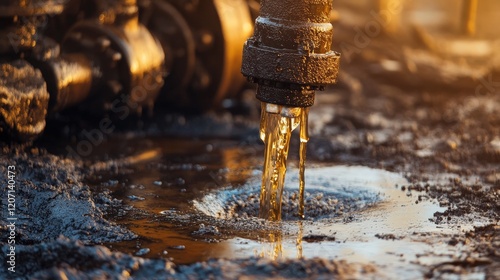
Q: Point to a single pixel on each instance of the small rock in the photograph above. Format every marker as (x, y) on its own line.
(168, 212)
(207, 230)
(142, 252)
(135, 198)
(110, 183)
(180, 181)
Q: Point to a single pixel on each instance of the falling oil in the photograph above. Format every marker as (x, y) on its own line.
(304, 137)
(277, 124)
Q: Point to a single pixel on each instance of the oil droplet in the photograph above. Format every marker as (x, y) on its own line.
(277, 124)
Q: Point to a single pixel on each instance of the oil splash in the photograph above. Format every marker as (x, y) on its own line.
(277, 124)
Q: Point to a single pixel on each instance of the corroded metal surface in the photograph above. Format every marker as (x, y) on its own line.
(23, 91)
(290, 55)
(23, 100)
(109, 52)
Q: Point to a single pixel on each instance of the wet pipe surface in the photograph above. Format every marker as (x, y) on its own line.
(190, 201)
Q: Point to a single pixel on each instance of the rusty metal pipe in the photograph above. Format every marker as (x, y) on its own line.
(289, 56)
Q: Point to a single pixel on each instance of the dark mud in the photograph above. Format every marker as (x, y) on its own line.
(66, 259)
(51, 200)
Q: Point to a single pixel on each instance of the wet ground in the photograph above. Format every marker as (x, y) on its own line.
(362, 215)
(403, 181)
(389, 192)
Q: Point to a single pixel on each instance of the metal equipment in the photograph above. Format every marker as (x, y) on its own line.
(116, 56)
(289, 56)
(127, 61)
(23, 93)
(203, 42)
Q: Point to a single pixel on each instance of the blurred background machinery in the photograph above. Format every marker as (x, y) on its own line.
(124, 56)
(436, 45)
(116, 56)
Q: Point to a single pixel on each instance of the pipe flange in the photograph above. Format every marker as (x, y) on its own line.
(219, 29)
(169, 26)
(129, 62)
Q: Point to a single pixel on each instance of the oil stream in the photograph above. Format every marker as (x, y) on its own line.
(276, 126)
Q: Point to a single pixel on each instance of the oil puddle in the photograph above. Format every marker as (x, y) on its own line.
(157, 179)
(195, 200)
(353, 213)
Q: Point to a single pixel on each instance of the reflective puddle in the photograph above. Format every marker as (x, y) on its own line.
(195, 200)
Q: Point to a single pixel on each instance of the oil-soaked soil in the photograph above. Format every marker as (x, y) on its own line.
(151, 183)
(435, 216)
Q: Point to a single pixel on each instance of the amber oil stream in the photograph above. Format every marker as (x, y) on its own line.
(277, 124)
(304, 137)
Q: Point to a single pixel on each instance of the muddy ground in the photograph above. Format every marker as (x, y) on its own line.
(419, 128)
